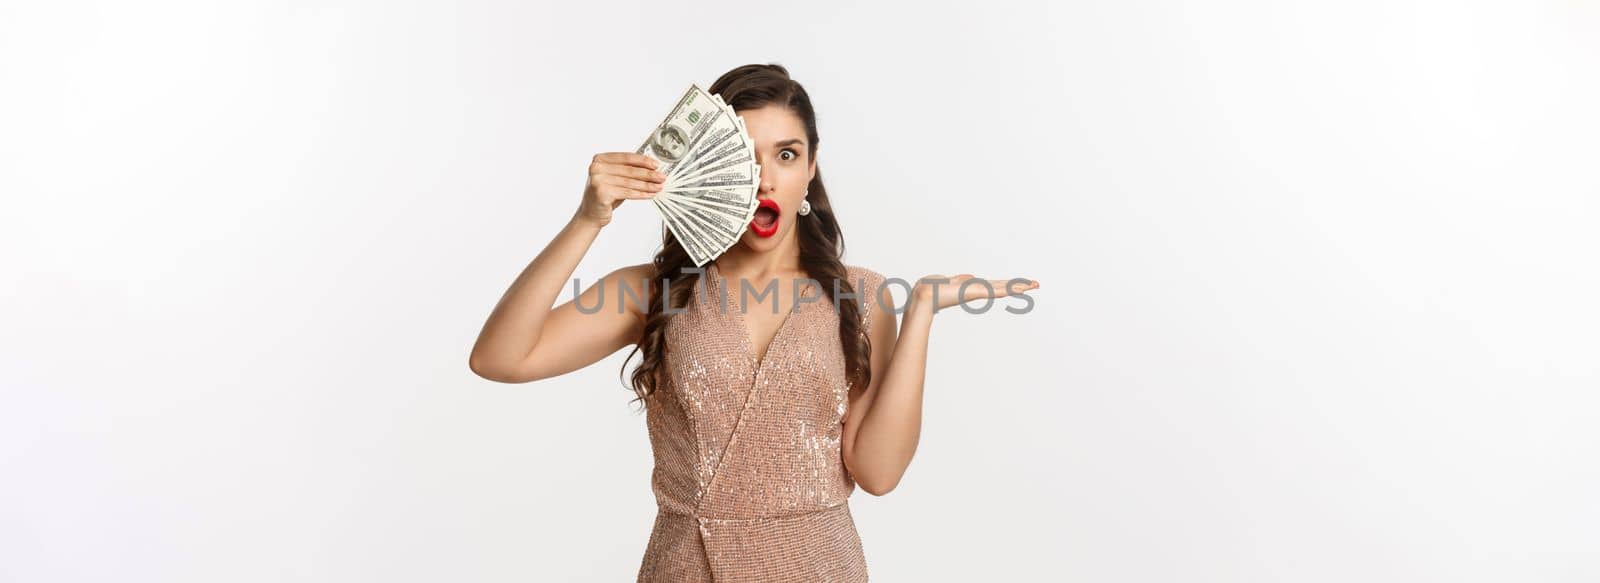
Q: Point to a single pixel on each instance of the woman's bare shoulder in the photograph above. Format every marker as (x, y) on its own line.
(860, 273)
(869, 287)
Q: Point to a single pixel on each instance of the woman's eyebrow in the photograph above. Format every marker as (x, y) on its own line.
(788, 142)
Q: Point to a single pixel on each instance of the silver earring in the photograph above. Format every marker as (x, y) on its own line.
(805, 207)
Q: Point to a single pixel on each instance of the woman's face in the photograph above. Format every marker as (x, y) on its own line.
(786, 170)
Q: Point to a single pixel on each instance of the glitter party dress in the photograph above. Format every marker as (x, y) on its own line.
(749, 477)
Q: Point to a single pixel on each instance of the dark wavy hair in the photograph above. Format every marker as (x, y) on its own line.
(821, 241)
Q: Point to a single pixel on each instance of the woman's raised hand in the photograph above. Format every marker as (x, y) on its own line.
(942, 291)
(613, 178)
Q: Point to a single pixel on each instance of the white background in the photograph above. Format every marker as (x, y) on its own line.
(1317, 295)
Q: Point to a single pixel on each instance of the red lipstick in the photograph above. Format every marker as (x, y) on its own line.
(765, 223)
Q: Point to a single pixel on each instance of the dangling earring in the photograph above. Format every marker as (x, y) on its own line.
(805, 205)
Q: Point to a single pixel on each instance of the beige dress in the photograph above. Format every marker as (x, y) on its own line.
(749, 477)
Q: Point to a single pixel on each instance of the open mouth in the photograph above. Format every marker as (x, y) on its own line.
(765, 223)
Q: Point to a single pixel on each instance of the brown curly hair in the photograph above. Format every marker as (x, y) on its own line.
(821, 241)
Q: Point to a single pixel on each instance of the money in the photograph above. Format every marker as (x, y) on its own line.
(712, 177)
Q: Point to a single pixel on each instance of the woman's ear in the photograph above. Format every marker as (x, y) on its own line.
(813, 170)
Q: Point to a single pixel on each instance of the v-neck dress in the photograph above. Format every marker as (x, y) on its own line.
(749, 476)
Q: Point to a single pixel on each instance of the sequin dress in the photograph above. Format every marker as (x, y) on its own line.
(749, 476)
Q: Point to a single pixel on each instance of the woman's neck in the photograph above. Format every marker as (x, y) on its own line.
(741, 262)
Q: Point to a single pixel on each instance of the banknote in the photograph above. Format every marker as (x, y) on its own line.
(673, 140)
(712, 175)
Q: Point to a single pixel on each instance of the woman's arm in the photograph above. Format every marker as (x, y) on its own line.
(884, 424)
(524, 339)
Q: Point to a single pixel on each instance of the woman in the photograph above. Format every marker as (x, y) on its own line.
(763, 419)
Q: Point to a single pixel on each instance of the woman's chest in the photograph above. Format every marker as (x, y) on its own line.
(715, 368)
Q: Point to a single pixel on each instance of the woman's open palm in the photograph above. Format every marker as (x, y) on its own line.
(942, 291)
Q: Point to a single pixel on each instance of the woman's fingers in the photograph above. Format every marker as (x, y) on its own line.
(629, 183)
(980, 288)
(1013, 286)
(623, 192)
(628, 158)
(612, 188)
(999, 288)
(624, 170)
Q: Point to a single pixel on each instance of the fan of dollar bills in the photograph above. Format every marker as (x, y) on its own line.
(712, 178)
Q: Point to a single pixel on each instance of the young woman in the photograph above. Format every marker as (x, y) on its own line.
(763, 419)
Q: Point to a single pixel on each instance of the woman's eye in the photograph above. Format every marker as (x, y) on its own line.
(786, 155)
